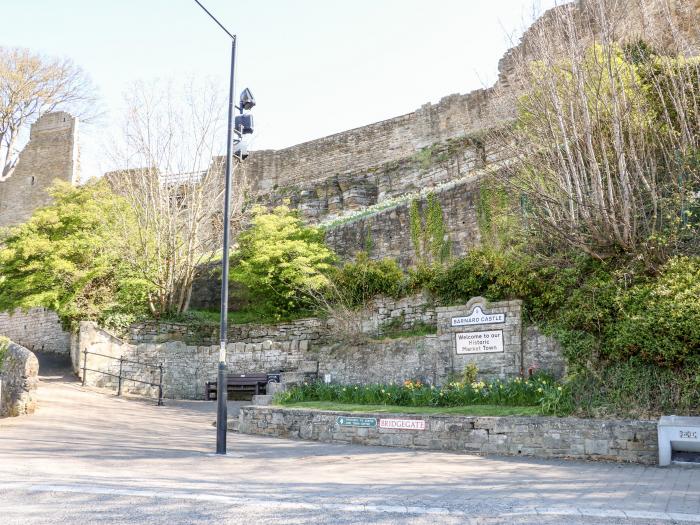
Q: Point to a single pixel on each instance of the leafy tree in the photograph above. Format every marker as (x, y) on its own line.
(67, 258)
(281, 261)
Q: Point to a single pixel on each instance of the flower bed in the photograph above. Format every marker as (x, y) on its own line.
(540, 390)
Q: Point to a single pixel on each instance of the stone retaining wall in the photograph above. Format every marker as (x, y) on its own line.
(158, 332)
(542, 437)
(20, 379)
(37, 329)
(186, 367)
(387, 361)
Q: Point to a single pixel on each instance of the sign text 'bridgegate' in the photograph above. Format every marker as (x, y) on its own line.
(402, 424)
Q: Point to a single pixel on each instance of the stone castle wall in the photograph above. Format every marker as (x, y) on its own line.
(386, 233)
(354, 168)
(38, 329)
(375, 144)
(51, 153)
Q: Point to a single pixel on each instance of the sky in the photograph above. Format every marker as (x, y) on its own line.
(316, 67)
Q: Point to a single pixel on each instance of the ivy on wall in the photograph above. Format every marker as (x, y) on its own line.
(497, 215)
(428, 233)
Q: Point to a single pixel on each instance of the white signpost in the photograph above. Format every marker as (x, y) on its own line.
(480, 342)
(478, 317)
(402, 424)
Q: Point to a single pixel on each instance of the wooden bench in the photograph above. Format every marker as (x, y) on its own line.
(254, 383)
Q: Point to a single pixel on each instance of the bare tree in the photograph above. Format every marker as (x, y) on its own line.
(31, 85)
(173, 177)
(606, 139)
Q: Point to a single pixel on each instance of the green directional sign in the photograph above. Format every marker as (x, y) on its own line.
(349, 421)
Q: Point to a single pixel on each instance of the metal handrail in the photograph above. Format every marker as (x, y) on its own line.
(121, 377)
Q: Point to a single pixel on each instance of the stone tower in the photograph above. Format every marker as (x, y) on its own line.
(51, 153)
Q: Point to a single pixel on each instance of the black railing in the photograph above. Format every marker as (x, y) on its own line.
(121, 378)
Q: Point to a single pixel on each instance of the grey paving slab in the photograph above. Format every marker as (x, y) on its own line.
(89, 457)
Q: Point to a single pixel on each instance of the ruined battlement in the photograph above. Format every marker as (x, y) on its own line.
(51, 153)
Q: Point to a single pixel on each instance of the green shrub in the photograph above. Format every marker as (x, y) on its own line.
(659, 320)
(491, 274)
(282, 262)
(360, 280)
(4, 344)
(635, 390)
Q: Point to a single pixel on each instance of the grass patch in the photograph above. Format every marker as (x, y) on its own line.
(417, 330)
(469, 410)
(248, 316)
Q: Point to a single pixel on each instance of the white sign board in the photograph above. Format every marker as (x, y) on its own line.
(478, 317)
(479, 342)
(403, 424)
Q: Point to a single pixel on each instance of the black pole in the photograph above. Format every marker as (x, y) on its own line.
(160, 385)
(221, 390)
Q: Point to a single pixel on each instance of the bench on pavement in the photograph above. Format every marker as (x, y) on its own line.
(253, 383)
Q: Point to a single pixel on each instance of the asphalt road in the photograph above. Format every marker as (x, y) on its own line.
(88, 457)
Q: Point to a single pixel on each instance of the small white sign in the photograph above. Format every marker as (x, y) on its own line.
(479, 342)
(403, 424)
(478, 317)
(687, 434)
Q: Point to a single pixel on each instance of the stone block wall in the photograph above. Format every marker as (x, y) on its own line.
(20, 378)
(378, 143)
(542, 352)
(189, 356)
(385, 361)
(541, 437)
(38, 329)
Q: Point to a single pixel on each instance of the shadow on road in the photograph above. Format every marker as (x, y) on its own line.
(55, 368)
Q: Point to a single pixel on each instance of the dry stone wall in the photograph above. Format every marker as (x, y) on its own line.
(19, 377)
(37, 329)
(189, 356)
(541, 437)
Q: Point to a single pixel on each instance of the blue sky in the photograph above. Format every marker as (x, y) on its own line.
(316, 67)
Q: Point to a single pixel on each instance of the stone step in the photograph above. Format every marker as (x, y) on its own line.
(262, 400)
(273, 388)
(292, 377)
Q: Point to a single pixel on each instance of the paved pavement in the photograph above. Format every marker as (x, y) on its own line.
(89, 457)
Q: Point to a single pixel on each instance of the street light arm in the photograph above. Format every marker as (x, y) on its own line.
(233, 37)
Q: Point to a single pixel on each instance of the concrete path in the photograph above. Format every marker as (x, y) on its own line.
(88, 457)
